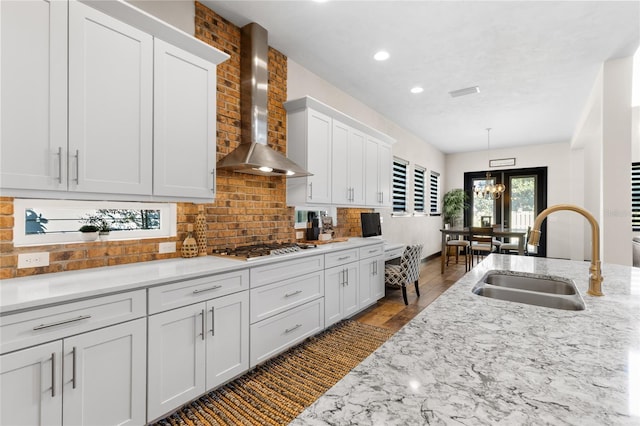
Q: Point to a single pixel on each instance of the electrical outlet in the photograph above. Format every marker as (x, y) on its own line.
(33, 260)
(169, 247)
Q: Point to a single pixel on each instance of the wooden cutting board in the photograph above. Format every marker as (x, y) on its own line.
(334, 240)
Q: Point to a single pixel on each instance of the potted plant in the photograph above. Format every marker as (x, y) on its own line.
(104, 230)
(453, 203)
(89, 232)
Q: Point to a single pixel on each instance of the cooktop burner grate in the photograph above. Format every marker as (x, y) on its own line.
(259, 250)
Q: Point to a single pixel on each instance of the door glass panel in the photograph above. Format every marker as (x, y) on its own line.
(523, 195)
(484, 211)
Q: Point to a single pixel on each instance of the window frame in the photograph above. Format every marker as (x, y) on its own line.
(635, 196)
(168, 221)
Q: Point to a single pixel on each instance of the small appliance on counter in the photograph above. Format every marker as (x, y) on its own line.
(313, 226)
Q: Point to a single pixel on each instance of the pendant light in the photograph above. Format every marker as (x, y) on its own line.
(488, 190)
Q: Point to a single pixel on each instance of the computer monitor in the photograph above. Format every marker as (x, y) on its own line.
(370, 224)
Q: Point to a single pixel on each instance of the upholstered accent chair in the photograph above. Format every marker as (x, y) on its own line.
(408, 271)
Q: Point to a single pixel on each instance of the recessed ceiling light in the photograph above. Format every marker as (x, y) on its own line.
(465, 91)
(417, 89)
(382, 55)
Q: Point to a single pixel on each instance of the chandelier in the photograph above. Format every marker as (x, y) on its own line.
(488, 190)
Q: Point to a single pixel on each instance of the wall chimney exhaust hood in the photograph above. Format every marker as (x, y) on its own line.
(253, 155)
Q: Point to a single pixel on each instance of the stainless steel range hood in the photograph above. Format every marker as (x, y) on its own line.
(253, 155)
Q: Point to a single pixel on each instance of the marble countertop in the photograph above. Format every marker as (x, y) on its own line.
(32, 292)
(472, 360)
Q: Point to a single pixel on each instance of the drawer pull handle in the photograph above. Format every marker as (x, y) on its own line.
(215, 287)
(373, 251)
(73, 378)
(67, 321)
(344, 257)
(295, 327)
(293, 293)
(53, 374)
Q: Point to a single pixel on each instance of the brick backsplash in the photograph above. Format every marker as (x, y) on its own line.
(247, 209)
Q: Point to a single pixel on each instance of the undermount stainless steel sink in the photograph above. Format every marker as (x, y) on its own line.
(531, 289)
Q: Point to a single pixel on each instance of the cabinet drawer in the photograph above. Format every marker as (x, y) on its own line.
(42, 325)
(394, 254)
(340, 258)
(170, 296)
(274, 272)
(272, 299)
(278, 333)
(371, 251)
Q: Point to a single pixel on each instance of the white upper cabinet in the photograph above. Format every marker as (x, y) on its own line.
(79, 107)
(335, 148)
(378, 165)
(110, 104)
(184, 123)
(309, 144)
(347, 156)
(33, 120)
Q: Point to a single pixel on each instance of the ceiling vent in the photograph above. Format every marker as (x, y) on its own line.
(465, 91)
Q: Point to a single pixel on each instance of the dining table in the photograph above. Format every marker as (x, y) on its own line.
(466, 232)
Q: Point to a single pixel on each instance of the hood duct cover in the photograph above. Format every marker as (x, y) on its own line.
(253, 155)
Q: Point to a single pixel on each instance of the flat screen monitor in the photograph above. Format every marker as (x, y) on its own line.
(370, 224)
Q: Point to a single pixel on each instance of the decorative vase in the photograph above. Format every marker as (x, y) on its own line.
(189, 246)
(89, 236)
(201, 231)
(104, 235)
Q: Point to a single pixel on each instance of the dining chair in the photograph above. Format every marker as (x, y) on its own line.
(406, 272)
(481, 242)
(456, 245)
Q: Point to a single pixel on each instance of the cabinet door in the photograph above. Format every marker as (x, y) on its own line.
(356, 175)
(385, 167)
(176, 363)
(319, 157)
(33, 120)
(31, 386)
(340, 186)
(333, 283)
(365, 291)
(184, 148)
(350, 290)
(228, 338)
(110, 104)
(372, 191)
(104, 376)
(377, 281)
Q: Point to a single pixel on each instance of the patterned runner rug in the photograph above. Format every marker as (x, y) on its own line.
(275, 392)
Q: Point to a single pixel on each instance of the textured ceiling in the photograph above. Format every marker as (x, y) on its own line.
(535, 62)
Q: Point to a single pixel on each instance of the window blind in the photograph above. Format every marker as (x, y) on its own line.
(434, 193)
(399, 185)
(419, 189)
(635, 197)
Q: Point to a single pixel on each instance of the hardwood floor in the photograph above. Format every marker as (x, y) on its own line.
(391, 312)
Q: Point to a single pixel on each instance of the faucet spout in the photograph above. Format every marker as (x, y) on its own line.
(595, 272)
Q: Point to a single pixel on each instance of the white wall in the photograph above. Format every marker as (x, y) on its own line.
(557, 159)
(420, 229)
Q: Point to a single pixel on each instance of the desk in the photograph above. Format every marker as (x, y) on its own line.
(504, 232)
(393, 251)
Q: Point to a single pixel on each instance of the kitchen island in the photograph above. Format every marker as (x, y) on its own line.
(473, 360)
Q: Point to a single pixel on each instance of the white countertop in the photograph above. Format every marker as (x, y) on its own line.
(31, 292)
(473, 360)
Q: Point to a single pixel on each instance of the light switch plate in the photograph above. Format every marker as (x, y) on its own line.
(33, 260)
(169, 247)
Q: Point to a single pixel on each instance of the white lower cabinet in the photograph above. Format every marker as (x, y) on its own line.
(371, 280)
(341, 292)
(94, 378)
(196, 348)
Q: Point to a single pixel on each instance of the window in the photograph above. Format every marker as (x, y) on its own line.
(39, 222)
(635, 197)
(419, 189)
(399, 185)
(434, 193)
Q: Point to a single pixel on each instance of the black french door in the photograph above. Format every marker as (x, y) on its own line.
(525, 196)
